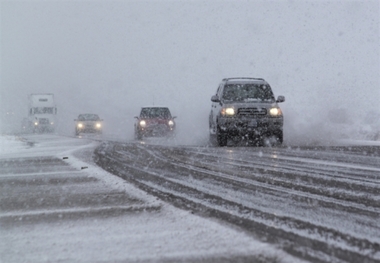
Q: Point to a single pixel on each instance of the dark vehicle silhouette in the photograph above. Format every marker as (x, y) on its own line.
(154, 122)
(245, 108)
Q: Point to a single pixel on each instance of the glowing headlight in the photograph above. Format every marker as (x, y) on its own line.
(80, 125)
(171, 123)
(228, 111)
(36, 123)
(275, 112)
(52, 123)
(98, 125)
(142, 124)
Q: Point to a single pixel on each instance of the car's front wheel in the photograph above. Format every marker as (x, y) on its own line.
(138, 135)
(273, 139)
(221, 137)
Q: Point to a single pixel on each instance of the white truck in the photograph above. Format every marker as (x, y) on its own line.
(42, 112)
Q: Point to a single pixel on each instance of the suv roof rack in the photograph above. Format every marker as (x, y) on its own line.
(226, 79)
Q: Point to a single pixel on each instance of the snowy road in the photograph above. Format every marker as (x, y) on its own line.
(56, 205)
(318, 203)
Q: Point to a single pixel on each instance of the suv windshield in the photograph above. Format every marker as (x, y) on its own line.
(247, 92)
(150, 113)
(88, 117)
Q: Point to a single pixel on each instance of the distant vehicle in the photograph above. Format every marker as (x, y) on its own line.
(154, 122)
(245, 108)
(88, 123)
(42, 112)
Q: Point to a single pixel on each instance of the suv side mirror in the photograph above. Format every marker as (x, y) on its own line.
(215, 98)
(280, 99)
(136, 117)
(174, 117)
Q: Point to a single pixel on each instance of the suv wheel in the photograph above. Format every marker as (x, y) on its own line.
(280, 137)
(274, 139)
(221, 137)
(138, 136)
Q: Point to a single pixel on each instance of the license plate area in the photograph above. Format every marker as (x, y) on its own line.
(252, 124)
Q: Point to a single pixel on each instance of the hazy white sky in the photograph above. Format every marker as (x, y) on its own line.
(112, 57)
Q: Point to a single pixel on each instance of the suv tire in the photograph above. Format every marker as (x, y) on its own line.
(138, 136)
(221, 137)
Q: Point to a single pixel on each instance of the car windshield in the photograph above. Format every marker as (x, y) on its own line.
(88, 117)
(149, 113)
(247, 92)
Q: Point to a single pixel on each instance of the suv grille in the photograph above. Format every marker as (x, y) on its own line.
(252, 111)
(44, 121)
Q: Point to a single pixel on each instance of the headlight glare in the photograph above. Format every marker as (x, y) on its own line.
(275, 112)
(80, 125)
(98, 125)
(228, 111)
(36, 123)
(142, 123)
(171, 123)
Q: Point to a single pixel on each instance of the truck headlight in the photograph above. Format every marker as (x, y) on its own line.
(142, 124)
(275, 112)
(228, 111)
(80, 125)
(98, 125)
(171, 123)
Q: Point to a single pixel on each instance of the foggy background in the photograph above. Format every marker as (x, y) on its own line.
(112, 57)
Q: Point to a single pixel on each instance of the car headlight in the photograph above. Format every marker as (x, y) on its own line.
(98, 125)
(171, 123)
(80, 125)
(275, 112)
(228, 111)
(142, 123)
(36, 123)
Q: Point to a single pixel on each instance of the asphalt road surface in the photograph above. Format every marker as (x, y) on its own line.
(320, 204)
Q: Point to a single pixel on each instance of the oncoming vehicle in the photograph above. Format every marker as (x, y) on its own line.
(88, 123)
(245, 108)
(42, 112)
(154, 122)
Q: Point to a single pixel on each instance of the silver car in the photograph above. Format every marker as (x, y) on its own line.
(88, 123)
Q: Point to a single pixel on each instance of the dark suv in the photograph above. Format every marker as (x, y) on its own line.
(245, 108)
(154, 122)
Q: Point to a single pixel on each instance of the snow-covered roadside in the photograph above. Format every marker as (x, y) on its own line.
(11, 144)
(170, 234)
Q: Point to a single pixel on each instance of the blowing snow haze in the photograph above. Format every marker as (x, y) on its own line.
(113, 57)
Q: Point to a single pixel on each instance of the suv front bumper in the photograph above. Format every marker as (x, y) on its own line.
(156, 130)
(250, 126)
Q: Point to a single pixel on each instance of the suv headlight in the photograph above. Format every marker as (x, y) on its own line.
(171, 123)
(80, 125)
(142, 124)
(275, 112)
(228, 111)
(98, 125)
